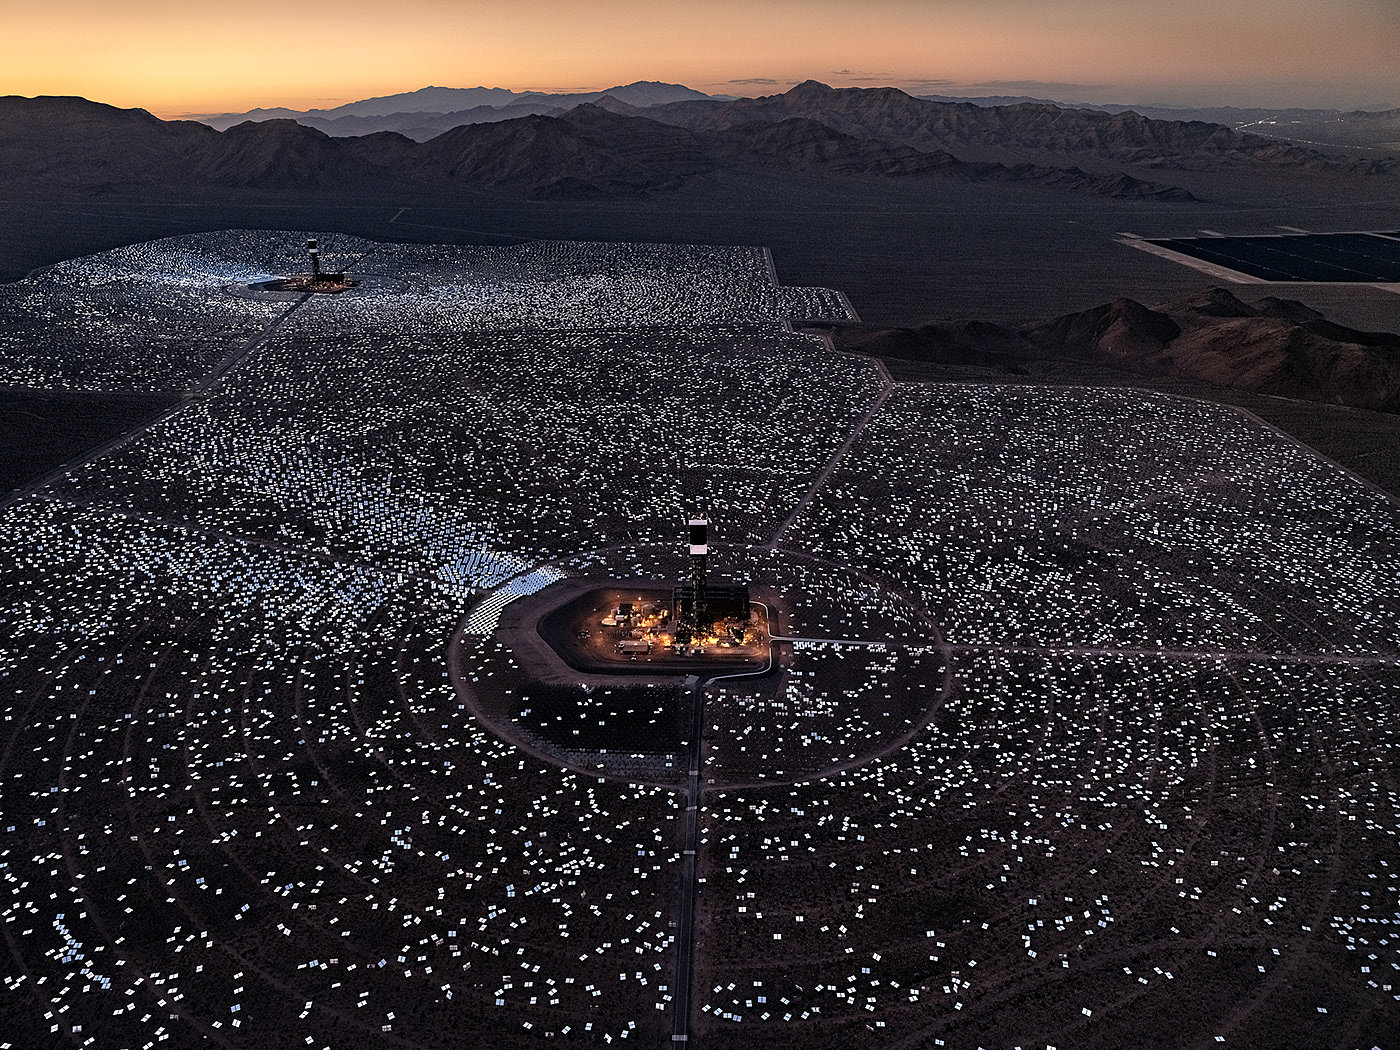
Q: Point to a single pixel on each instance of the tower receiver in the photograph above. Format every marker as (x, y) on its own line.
(692, 599)
(699, 554)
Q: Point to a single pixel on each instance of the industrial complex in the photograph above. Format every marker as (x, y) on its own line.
(377, 693)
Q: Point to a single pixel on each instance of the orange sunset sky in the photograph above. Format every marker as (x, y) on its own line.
(189, 57)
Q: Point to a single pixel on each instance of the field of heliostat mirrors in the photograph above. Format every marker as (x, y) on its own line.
(1090, 741)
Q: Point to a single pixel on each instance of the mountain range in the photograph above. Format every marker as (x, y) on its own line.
(1024, 131)
(446, 100)
(609, 147)
(427, 112)
(602, 149)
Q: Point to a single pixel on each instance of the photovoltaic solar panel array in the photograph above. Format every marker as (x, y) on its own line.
(1329, 257)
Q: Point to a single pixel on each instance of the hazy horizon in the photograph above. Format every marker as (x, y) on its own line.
(1057, 92)
(175, 59)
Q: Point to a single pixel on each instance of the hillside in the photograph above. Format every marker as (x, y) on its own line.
(588, 152)
(1276, 346)
(60, 143)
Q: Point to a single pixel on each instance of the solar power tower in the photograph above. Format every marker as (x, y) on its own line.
(691, 597)
(323, 280)
(699, 552)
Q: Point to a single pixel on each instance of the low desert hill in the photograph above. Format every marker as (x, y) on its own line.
(1276, 346)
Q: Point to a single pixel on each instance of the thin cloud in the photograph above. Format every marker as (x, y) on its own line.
(1036, 85)
(752, 80)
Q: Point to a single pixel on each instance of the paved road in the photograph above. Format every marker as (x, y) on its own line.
(194, 392)
(237, 357)
(886, 389)
(685, 935)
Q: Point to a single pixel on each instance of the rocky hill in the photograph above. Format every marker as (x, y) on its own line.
(587, 152)
(58, 143)
(1275, 346)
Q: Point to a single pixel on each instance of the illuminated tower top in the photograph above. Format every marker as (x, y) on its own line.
(699, 534)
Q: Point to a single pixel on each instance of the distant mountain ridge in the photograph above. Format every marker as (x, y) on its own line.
(442, 108)
(611, 147)
(1374, 130)
(1025, 131)
(429, 111)
(417, 126)
(595, 150)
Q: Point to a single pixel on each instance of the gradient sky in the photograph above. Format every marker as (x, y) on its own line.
(182, 56)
